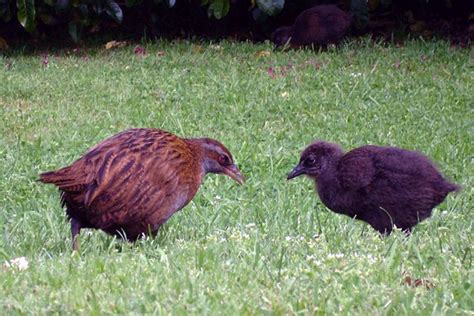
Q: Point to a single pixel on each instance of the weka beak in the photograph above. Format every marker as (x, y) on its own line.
(233, 172)
(297, 171)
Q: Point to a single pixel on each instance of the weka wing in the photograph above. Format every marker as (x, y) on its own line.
(131, 183)
(360, 167)
(355, 169)
(414, 176)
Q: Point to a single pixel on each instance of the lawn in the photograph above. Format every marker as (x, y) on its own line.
(269, 246)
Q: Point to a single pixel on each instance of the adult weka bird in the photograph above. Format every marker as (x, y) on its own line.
(131, 183)
(319, 26)
(383, 186)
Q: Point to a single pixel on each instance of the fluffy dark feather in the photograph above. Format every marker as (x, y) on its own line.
(319, 26)
(383, 186)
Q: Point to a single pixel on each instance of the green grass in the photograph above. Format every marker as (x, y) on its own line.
(269, 246)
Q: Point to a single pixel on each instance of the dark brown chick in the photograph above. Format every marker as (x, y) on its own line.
(383, 186)
(131, 183)
(319, 26)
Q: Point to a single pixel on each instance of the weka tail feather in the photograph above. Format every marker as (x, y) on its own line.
(443, 188)
(63, 178)
(56, 177)
(452, 187)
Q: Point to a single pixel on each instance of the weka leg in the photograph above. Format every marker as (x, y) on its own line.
(75, 230)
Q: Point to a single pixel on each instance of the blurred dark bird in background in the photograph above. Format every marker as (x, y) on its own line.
(383, 186)
(319, 26)
(131, 183)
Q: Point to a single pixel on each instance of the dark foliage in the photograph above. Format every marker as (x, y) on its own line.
(383, 186)
(131, 183)
(241, 19)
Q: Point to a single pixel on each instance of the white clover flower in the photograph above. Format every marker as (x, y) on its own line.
(371, 259)
(335, 255)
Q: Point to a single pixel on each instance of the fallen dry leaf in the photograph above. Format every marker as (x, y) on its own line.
(198, 49)
(314, 63)
(139, 50)
(115, 44)
(271, 72)
(284, 69)
(262, 53)
(418, 282)
(45, 60)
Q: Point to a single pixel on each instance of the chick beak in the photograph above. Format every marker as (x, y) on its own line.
(297, 171)
(233, 172)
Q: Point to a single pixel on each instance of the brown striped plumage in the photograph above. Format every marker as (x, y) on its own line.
(131, 183)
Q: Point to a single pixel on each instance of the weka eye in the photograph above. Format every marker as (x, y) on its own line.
(310, 162)
(224, 160)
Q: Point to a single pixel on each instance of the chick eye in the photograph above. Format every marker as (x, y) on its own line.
(311, 161)
(224, 160)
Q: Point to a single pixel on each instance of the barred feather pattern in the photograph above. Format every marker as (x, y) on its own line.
(131, 183)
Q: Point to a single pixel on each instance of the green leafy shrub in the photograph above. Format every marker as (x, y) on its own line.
(75, 13)
(78, 16)
(81, 14)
